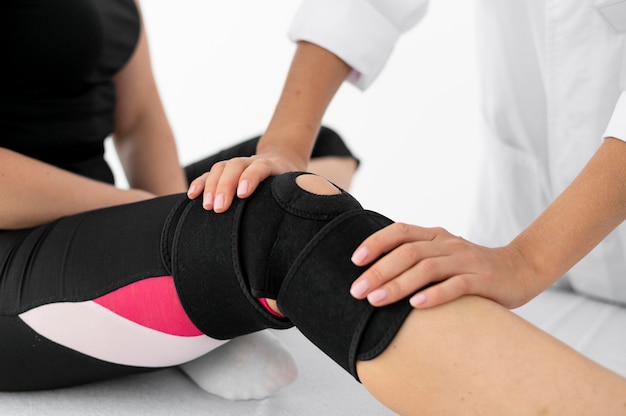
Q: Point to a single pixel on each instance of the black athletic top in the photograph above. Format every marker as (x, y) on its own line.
(57, 60)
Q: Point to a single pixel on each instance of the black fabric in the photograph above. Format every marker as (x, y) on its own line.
(83, 256)
(209, 281)
(252, 245)
(77, 258)
(290, 218)
(57, 101)
(328, 143)
(316, 294)
(287, 244)
(282, 242)
(58, 59)
(32, 362)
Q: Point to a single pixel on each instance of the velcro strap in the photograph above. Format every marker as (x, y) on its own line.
(207, 271)
(316, 294)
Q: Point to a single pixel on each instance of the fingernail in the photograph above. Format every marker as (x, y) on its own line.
(207, 200)
(191, 189)
(219, 202)
(359, 289)
(242, 188)
(417, 300)
(359, 255)
(377, 295)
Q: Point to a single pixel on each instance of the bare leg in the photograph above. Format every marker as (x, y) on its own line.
(473, 356)
(316, 185)
(338, 170)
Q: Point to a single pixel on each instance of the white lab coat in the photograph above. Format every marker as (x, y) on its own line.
(551, 76)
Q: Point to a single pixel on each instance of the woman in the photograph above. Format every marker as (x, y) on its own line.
(188, 279)
(77, 72)
(552, 77)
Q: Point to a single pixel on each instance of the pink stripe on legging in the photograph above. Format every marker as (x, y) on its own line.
(153, 303)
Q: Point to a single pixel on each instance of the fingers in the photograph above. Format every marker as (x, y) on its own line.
(196, 186)
(403, 272)
(443, 292)
(389, 238)
(227, 179)
(253, 175)
(416, 258)
(224, 179)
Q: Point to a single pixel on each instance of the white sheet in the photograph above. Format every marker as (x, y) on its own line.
(596, 329)
(322, 388)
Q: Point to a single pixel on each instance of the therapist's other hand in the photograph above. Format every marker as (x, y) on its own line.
(414, 257)
(236, 177)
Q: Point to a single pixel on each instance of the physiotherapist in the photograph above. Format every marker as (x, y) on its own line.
(553, 181)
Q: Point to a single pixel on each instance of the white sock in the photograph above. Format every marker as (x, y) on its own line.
(252, 366)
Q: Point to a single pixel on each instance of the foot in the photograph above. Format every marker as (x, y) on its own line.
(253, 366)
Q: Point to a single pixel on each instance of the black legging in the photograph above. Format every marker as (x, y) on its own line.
(328, 143)
(157, 283)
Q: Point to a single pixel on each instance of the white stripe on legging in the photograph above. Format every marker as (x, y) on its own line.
(95, 331)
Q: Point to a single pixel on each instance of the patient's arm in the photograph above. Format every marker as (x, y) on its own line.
(143, 136)
(35, 193)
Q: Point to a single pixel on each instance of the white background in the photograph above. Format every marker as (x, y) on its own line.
(220, 67)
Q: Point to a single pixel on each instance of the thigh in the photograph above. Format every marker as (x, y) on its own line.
(89, 297)
(472, 356)
(82, 256)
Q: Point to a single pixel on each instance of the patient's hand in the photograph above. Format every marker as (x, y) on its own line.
(417, 257)
(237, 177)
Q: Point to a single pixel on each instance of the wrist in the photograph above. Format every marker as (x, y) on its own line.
(313, 79)
(529, 270)
(293, 143)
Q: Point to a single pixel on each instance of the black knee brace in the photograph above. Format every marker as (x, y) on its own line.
(283, 243)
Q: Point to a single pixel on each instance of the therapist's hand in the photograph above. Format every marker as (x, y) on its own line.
(417, 257)
(237, 177)
(314, 76)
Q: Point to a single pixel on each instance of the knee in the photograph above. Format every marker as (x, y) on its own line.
(316, 185)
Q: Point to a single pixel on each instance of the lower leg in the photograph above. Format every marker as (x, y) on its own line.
(472, 356)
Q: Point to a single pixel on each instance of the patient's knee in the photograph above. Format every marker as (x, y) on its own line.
(316, 185)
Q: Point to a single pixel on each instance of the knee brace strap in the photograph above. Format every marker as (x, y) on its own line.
(316, 294)
(205, 264)
(222, 263)
(283, 243)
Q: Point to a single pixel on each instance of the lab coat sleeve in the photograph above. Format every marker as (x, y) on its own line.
(360, 32)
(617, 125)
